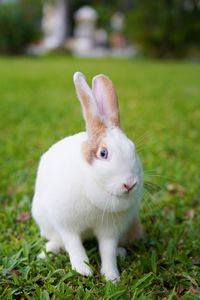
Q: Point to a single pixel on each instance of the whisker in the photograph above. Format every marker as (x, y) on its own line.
(151, 172)
(149, 202)
(142, 137)
(145, 147)
(156, 175)
(159, 176)
(152, 187)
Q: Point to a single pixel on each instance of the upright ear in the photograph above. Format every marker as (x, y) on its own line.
(91, 113)
(106, 98)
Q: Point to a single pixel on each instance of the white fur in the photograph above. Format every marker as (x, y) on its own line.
(75, 200)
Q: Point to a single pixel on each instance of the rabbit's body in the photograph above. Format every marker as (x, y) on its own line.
(74, 198)
(80, 194)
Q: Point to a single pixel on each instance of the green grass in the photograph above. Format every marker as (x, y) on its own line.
(160, 110)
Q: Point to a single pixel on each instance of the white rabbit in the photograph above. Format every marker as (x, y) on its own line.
(90, 184)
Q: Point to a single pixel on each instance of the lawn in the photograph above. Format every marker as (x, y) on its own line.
(160, 111)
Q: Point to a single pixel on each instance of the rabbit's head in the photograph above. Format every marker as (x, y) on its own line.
(110, 155)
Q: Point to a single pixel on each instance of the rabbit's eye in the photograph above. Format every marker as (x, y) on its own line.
(103, 153)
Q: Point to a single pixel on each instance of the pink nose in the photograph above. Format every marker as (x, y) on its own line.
(129, 187)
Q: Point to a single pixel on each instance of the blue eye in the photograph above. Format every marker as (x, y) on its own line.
(104, 153)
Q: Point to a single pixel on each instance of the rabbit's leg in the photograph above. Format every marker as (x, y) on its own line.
(77, 254)
(108, 252)
(52, 246)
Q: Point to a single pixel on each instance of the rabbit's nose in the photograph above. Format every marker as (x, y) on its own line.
(129, 186)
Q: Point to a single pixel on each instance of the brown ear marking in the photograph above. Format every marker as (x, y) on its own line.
(84, 99)
(94, 121)
(105, 84)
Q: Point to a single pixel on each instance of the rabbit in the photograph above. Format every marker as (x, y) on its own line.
(90, 184)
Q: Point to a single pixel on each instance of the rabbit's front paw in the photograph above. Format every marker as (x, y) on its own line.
(41, 255)
(82, 268)
(112, 275)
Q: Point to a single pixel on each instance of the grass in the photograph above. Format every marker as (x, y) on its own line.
(159, 104)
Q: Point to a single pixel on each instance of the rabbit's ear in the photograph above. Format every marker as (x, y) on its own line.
(94, 122)
(106, 98)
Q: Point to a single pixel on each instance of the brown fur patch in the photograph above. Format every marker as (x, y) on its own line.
(134, 232)
(84, 98)
(95, 127)
(91, 146)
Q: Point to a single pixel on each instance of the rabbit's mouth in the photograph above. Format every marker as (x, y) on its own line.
(124, 194)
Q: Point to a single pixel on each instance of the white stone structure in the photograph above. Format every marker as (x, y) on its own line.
(117, 22)
(88, 41)
(84, 32)
(54, 24)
